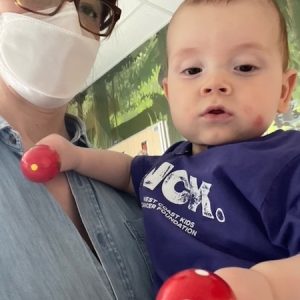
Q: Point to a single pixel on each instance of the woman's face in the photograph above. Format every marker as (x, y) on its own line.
(9, 6)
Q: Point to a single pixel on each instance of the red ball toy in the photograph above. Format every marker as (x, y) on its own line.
(195, 284)
(40, 163)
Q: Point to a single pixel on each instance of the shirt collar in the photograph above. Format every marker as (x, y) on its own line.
(74, 125)
(183, 148)
(77, 131)
(3, 124)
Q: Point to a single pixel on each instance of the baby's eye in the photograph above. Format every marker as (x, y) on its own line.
(192, 71)
(245, 68)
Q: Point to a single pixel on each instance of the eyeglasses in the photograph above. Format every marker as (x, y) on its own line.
(96, 16)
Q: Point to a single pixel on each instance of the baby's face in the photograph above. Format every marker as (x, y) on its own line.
(225, 80)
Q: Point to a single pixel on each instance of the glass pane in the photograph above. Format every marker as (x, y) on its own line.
(124, 107)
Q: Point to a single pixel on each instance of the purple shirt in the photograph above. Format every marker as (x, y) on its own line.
(232, 205)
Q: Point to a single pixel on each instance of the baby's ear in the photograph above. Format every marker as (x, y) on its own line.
(165, 87)
(288, 84)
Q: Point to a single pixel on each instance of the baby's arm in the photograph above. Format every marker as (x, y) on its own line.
(107, 166)
(270, 280)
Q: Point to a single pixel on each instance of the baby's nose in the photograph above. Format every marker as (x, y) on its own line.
(208, 90)
(213, 86)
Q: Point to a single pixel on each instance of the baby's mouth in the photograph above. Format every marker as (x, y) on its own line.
(216, 111)
(216, 114)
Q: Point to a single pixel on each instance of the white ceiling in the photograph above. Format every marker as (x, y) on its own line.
(139, 21)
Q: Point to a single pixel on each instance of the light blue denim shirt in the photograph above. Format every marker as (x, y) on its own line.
(42, 254)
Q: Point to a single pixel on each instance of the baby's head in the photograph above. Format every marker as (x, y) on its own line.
(228, 70)
(270, 4)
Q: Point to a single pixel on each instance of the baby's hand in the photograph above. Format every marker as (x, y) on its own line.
(247, 284)
(51, 155)
(66, 150)
(40, 163)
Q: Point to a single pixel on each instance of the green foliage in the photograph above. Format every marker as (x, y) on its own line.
(138, 99)
(131, 86)
(128, 90)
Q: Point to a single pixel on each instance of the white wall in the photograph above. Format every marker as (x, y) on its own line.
(140, 20)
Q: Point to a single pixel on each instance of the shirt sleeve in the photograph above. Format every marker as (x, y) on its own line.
(140, 166)
(281, 209)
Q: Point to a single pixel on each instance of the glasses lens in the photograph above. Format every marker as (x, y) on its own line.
(97, 16)
(40, 6)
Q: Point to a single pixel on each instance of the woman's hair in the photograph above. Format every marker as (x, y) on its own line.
(115, 2)
(282, 25)
(105, 14)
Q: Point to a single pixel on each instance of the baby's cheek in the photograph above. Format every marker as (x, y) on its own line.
(260, 124)
(248, 110)
(258, 121)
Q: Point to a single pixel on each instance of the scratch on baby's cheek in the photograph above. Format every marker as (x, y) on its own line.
(258, 122)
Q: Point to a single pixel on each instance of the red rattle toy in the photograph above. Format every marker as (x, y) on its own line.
(40, 163)
(195, 284)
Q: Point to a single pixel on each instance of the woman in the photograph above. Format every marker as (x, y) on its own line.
(64, 239)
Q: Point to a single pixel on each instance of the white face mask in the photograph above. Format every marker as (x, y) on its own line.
(45, 59)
